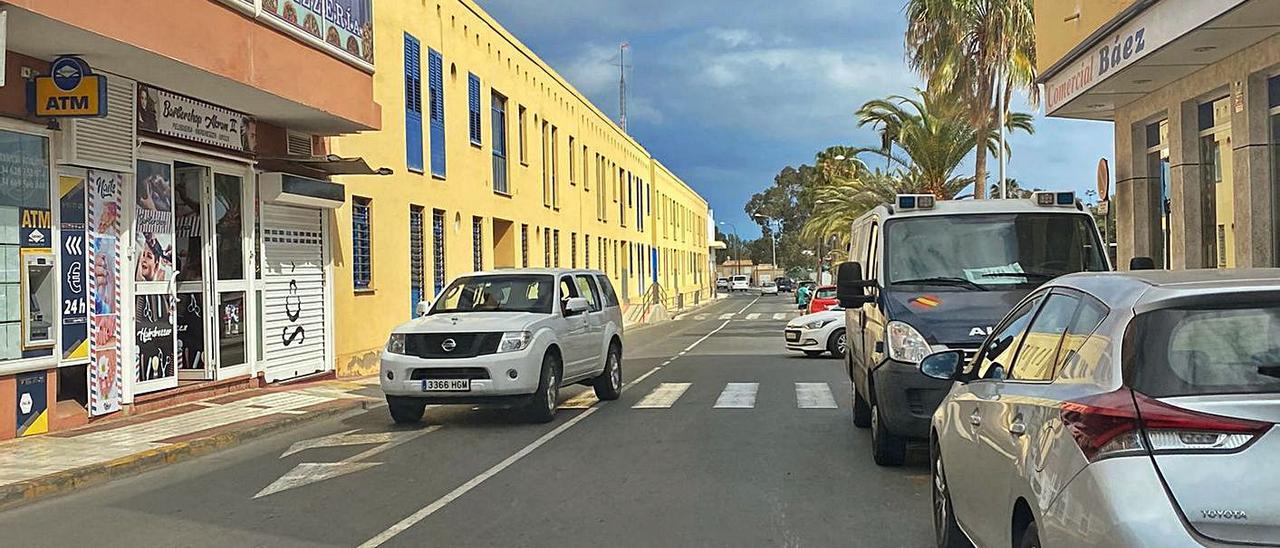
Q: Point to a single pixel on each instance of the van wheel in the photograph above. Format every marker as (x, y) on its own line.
(542, 407)
(608, 385)
(887, 448)
(861, 411)
(406, 410)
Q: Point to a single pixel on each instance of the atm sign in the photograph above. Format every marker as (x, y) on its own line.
(70, 90)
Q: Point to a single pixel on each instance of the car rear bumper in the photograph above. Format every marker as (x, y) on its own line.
(396, 374)
(907, 398)
(1116, 502)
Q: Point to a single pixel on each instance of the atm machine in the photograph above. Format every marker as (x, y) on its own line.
(38, 306)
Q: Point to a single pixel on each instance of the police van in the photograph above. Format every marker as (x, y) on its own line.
(925, 275)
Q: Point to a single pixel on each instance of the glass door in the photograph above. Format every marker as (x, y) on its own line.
(231, 237)
(191, 232)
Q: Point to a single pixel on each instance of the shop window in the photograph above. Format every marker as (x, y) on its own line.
(573, 250)
(1217, 191)
(473, 107)
(477, 244)
(361, 242)
(546, 247)
(228, 219)
(555, 247)
(437, 250)
(417, 268)
(499, 121)
(1158, 171)
(435, 70)
(27, 311)
(413, 104)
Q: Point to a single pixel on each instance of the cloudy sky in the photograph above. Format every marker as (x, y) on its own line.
(728, 92)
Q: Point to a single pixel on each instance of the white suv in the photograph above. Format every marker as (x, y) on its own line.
(511, 339)
(740, 283)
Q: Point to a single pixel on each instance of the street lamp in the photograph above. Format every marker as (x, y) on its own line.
(737, 265)
(773, 236)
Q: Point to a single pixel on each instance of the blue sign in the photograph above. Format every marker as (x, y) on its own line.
(33, 403)
(67, 72)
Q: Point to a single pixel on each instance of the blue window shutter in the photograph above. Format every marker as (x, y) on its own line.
(473, 104)
(413, 103)
(435, 67)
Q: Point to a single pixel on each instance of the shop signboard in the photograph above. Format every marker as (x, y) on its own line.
(105, 198)
(33, 404)
(75, 307)
(344, 27)
(70, 90)
(182, 117)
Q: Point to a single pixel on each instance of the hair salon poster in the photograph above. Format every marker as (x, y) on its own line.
(155, 337)
(105, 199)
(154, 222)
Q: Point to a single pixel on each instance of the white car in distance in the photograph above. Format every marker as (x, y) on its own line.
(508, 339)
(817, 333)
(740, 283)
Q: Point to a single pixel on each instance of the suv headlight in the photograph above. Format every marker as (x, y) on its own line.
(395, 344)
(817, 324)
(514, 341)
(905, 343)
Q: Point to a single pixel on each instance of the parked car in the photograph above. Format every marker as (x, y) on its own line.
(931, 274)
(768, 288)
(740, 282)
(785, 285)
(824, 298)
(722, 284)
(1134, 409)
(510, 339)
(815, 334)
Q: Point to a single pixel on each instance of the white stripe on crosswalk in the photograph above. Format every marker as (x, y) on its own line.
(662, 397)
(582, 401)
(727, 316)
(780, 316)
(753, 316)
(738, 395)
(700, 317)
(814, 395)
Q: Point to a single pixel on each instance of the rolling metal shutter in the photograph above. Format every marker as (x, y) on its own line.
(294, 295)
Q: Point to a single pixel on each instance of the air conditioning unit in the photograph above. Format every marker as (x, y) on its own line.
(299, 144)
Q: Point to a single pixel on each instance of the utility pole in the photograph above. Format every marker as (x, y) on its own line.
(622, 85)
(1003, 107)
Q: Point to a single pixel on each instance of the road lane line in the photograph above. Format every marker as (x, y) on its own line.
(700, 317)
(738, 395)
(663, 397)
(754, 301)
(753, 316)
(726, 316)
(435, 506)
(780, 316)
(582, 401)
(814, 395)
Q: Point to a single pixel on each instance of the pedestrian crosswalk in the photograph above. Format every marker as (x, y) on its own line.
(751, 317)
(733, 395)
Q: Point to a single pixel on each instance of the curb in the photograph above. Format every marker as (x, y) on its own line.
(25, 492)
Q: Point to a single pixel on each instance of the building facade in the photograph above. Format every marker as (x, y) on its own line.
(1193, 90)
(499, 163)
(165, 207)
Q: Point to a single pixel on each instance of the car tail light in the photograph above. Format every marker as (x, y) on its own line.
(1126, 422)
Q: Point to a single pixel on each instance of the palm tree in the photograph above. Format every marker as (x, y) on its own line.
(967, 46)
(1013, 189)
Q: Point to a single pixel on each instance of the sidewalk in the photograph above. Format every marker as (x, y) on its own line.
(36, 467)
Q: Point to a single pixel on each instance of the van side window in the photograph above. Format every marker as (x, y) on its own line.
(997, 355)
(873, 255)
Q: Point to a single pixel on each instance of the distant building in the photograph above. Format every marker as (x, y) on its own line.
(1193, 90)
(735, 267)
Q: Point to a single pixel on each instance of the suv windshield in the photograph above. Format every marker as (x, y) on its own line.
(989, 251)
(1184, 351)
(514, 293)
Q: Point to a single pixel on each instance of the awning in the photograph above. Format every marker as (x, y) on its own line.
(320, 166)
(717, 244)
(1150, 46)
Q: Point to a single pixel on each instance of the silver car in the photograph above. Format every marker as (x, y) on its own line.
(508, 338)
(1117, 409)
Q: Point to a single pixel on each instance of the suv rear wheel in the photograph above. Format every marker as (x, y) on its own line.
(542, 407)
(608, 385)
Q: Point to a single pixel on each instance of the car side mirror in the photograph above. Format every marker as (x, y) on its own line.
(944, 366)
(424, 307)
(576, 305)
(1142, 263)
(851, 287)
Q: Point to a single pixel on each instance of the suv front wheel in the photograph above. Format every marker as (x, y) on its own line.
(542, 407)
(406, 410)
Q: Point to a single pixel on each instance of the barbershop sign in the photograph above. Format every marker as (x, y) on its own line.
(189, 119)
(1150, 30)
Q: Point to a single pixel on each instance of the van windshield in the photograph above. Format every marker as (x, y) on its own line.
(989, 251)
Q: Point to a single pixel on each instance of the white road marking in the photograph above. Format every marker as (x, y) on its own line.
(494, 470)
(311, 472)
(744, 309)
(780, 316)
(753, 316)
(727, 316)
(663, 397)
(700, 317)
(738, 395)
(582, 401)
(814, 395)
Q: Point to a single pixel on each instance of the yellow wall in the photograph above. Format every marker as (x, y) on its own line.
(1058, 30)
(471, 41)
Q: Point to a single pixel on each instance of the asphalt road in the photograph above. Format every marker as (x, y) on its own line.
(722, 464)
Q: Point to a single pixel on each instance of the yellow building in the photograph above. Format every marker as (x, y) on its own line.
(1193, 89)
(498, 163)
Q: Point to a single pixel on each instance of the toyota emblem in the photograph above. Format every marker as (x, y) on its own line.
(448, 345)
